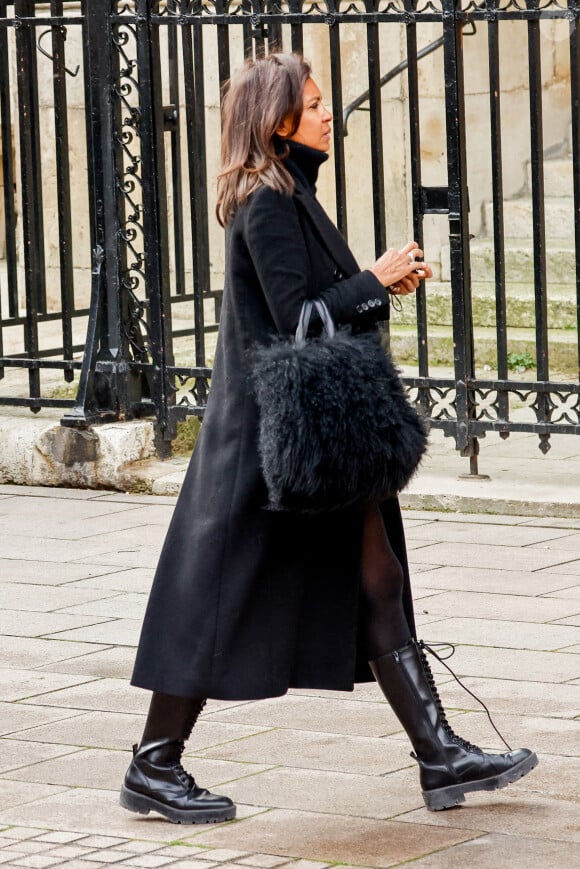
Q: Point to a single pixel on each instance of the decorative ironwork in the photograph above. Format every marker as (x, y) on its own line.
(156, 264)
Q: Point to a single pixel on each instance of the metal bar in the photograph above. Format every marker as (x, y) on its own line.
(63, 187)
(175, 151)
(97, 397)
(31, 183)
(8, 173)
(337, 130)
(543, 405)
(497, 195)
(416, 186)
(195, 123)
(458, 226)
(154, 211)
(376, 130)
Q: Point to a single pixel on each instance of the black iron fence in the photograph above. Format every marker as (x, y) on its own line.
(112, 267)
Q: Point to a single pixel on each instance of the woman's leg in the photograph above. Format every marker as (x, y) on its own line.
(156, 779)
(386, 625)
(449, 765)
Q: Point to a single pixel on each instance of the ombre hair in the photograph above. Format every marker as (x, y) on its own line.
(260, 97)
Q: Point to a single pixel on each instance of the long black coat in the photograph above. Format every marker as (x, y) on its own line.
(247, 602)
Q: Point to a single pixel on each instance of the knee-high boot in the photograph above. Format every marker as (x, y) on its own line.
(449, 766)
(156, 779)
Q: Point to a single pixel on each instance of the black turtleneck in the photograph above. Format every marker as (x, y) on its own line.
(304, 162)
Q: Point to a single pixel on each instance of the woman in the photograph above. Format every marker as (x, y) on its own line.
(246, 602)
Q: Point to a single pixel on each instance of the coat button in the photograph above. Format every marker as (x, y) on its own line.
(364, 306)
(338, 276)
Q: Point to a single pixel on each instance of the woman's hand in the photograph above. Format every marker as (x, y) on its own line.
(398, 269)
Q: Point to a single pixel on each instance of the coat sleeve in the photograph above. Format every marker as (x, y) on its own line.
(276, 244)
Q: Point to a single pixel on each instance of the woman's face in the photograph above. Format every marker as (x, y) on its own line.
(314, 127)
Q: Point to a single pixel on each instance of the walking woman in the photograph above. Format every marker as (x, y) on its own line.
(248, 602)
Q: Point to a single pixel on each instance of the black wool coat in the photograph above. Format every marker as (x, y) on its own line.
(247, 602)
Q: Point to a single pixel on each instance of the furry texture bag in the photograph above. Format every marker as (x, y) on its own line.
(336, 427)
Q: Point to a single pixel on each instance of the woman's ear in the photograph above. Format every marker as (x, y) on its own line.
(284, 129)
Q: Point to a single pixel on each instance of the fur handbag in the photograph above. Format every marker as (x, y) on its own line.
(336, 427)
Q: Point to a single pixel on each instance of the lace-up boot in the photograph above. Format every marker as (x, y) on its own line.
(449, 766)
(156, 780)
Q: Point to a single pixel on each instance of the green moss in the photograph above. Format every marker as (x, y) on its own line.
(187, 434)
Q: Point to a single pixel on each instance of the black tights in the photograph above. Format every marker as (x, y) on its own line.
(385, 624)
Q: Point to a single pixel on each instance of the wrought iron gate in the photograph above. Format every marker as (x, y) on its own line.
(150, 75)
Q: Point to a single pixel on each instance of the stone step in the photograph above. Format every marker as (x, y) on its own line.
(559, 217)
(519, 261)
(557, 177)
(563, 346)
(520, 305)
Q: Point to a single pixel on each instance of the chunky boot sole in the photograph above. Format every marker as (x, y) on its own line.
(447, 798)
(142, 804)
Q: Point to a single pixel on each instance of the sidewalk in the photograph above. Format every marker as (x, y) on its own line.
(320, 777)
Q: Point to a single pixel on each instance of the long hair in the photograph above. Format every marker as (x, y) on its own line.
(260, 97)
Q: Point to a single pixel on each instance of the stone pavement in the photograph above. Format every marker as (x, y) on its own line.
(321, 778)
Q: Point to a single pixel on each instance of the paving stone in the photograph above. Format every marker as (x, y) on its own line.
(132, 846)
(476, 533)
(36, 861)
(23, 598)
(137, 555)
(335, 838)
(507, 695)
(568, 620)
(25, 652)
(552, 735)
(34, 572)
(103, 858)
(484, 580)
(15, 753)
(148, 860)
(316, 714)
(512, 811)
(91, 811)
(493, 557)
(122, 631)
(566, 567)
(61, 837)
(132, 606)
(14, 717)
(131, 579)
(495, 850)
(366, 796)
(298, 748)
(58, 551)
(70, 852)
(29, 846)
(262, 860)
(497, 663)
(15, 793)
(21, 832)
(102, 841)
(193, 864)
(508, 635)
(503, 607)
(223, 855)
(105, 770)
(106, 695)
(39, 624)
(116, 663)
(20, 684)
(571, 593)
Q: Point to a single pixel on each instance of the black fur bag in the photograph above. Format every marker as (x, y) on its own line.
(336, 427)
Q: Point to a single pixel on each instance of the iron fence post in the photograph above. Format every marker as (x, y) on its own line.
(458, 199)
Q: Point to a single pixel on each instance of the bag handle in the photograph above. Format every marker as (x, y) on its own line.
(328, 326)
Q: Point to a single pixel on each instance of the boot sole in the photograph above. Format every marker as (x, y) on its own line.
(135, 802)
(446, 798)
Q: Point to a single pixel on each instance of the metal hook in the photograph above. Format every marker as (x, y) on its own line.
(42, 50)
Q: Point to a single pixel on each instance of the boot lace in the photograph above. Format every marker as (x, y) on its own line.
(183, 775)
(458, 740)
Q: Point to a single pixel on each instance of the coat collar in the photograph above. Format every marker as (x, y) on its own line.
(327, 232)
